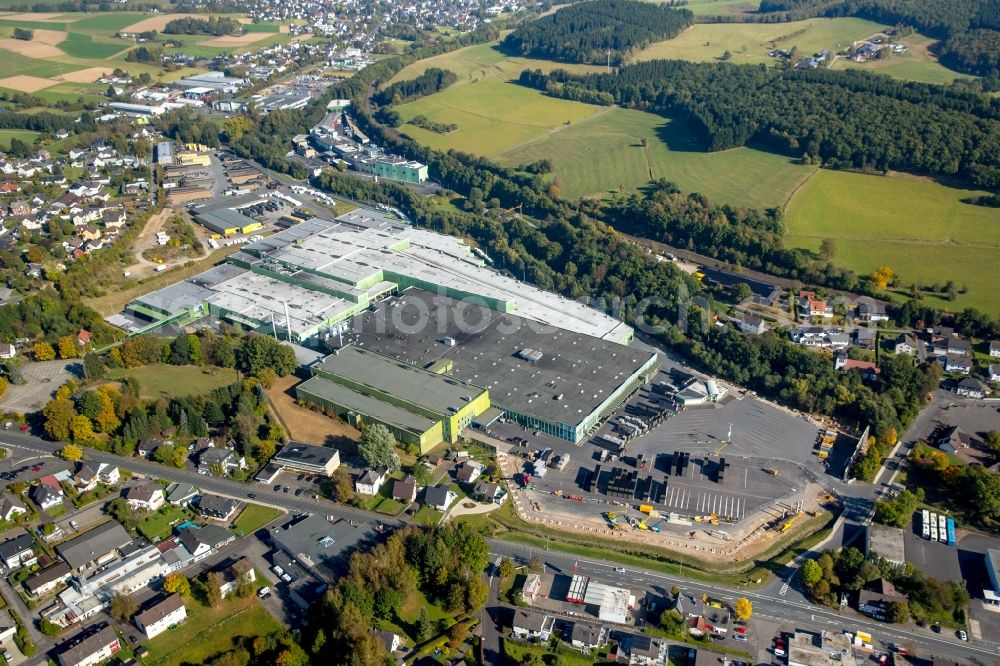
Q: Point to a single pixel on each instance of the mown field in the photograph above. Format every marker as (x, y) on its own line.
(71, 50)
(749, 43)
(919, 228)
(493, 114)
(605, 152)
(24, 135)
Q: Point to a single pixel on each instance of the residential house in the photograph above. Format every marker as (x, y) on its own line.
(405, 490)
(906, 344)
(47, 580)
(813, 307)
(952, 438)
(389, 641)
(83, 337)
(90, 647)
(47, 495)
(438, 497)
(371, 481)
(88, 232)
(956, 363)
(92, 473)
(820, 337)
(7, 350)
(751, 323)
(113, 218)
(231, 575)
(866, 369)
(871, 311)
(200, 542)
(148, 446)
(217, 507)
(874, 598)
(219, 459)
(18, 552)
(864, 337)
(531, 626)
(485, 491)
(161, 616)
(144, 497)
(469, 471)
(994, 372)
(959, 347)
(96, 547)
(19, 207)
(181, 494)
(970, 387)
(587, 637)
(995, 348)
(11, 509)
(638, 649)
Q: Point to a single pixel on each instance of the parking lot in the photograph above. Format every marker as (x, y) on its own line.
(40, 383)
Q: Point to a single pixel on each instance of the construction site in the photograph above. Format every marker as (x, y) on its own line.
(723, 499)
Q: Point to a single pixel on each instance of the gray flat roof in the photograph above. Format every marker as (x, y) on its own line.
(297, 452)
(93, 544)
(582, 370)
(318, 543)
(400, 379)
(887, 542)
(363, 404)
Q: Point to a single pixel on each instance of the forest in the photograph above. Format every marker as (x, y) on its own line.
(843, 118)
(586, 31)
(967, 29)
(431, 81)
(213, 25)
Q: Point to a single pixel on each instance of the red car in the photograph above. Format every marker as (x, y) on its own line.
(741, 630)
(24, 427)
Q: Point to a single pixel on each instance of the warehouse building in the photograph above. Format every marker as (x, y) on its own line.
(215, 82)
(418, 406)
(224, 217)
(397, 168)
(547, 378)
(303, 282)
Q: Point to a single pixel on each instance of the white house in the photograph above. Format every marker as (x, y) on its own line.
(18, 552)
(529, 625)
(371, 481)
(995, 372)
(972, 388)
(7, 350)
(995, 348)
(160, 617)
(10, 509)
(46, 496)
(439, 497)
(91, 474)
(469, 471)
(145, 497)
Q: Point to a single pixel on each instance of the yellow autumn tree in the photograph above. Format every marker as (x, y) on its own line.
(882, 276)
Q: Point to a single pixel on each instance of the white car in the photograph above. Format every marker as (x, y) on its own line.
(779, 651)
(962, 636)
(619, 569)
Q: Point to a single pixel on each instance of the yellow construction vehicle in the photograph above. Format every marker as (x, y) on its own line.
(773, 472)
(791, 521)
(642, 525)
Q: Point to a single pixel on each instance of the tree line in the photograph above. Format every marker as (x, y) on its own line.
(968, 29)
(444, 563)
(431, 81)
(213, 25)
(844, 118)
(586, 31)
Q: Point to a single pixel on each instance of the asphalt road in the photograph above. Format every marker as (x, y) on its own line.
(766, 606)
(218, 485)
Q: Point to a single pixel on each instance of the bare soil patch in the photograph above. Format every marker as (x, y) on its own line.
(157, 23)
(305, 425)
(51, 37)
(89, 75)
(30, 49)
(56, 17)
(25, 83)
(237, 40)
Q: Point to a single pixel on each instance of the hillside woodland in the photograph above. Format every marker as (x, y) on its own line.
(584, 32)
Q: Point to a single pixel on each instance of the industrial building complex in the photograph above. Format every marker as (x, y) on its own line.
(428, 339)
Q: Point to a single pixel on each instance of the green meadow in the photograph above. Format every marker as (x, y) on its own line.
(605, 152)
(918, 227)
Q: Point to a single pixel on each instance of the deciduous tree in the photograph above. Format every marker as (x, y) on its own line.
(743, 609)
(377, 447)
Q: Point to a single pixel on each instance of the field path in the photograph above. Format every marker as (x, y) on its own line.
(552, 130)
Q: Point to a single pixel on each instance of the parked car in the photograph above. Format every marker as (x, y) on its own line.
(962, 636)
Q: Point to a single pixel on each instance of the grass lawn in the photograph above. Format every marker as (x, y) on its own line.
(255, 516)
(159, 525)
(564, 655)
(614, 139)
(168, 381)
(919, 64)
(82, 45)
(56, 511)
(15, 63)
(918, 227)
(720, 7)
(208, 632)
(750, 42)
(24, 135)
(427, 516)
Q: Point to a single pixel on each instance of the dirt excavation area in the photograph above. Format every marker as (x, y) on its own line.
(744, 534)
(305, 425)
